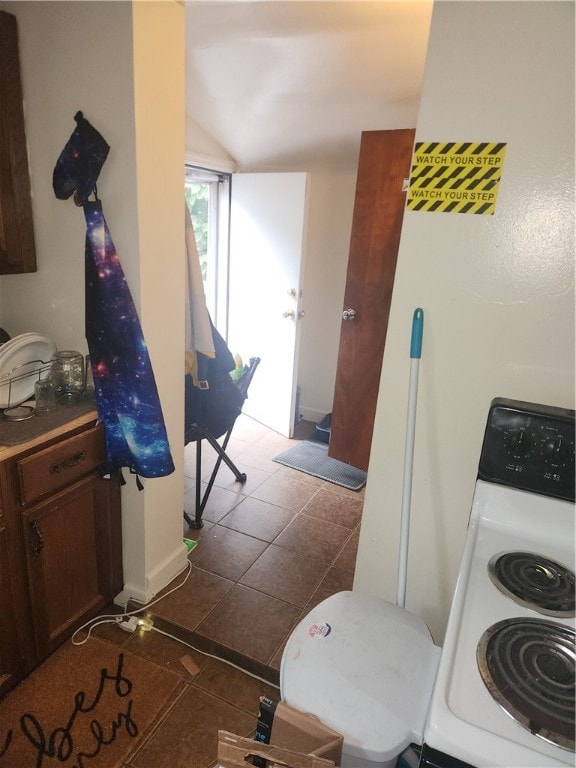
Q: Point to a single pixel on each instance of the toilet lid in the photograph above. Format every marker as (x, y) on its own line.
(366, 668)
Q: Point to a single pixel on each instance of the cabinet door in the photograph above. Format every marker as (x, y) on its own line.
(17, 248)
(73, 556)
(10, 664)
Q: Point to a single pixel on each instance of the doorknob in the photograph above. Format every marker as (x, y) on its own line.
(291, 292)
(349, 314)
(289, 313)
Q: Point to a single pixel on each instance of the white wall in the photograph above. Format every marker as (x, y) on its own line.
(160, 128)
(497, 291)
(95, 57)
(204, 151)
(62, 72)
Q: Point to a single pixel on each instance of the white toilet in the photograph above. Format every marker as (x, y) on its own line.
(366, 668)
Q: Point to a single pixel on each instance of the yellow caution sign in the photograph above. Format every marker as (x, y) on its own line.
(455, 177)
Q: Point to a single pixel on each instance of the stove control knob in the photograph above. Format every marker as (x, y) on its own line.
(519, 443)
(554, 448)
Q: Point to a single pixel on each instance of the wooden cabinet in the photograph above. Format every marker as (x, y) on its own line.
(17, 248)
(60, 545)
(10, 664)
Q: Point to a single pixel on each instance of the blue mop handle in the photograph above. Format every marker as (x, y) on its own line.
(417, 331)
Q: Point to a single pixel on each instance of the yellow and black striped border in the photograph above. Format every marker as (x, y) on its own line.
(455, 177)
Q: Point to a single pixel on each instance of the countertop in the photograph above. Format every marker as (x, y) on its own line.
(43, 428)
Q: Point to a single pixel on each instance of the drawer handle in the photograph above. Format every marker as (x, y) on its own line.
(37, 540)
(62, 466)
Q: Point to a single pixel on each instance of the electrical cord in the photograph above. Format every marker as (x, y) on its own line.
(119, 618)
(129, 623)
(213, 656)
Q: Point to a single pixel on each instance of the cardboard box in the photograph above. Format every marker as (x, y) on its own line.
(236, 752)
(289, 728)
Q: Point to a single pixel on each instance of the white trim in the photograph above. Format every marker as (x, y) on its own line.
(156, 580)
(210, 161)
(312, 414)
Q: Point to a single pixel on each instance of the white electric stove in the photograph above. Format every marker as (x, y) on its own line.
(504, 694)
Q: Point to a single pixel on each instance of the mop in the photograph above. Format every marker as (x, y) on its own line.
(415, 354)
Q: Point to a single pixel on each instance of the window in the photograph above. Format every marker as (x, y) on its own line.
(208, 197)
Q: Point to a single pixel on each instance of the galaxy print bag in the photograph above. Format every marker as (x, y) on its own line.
(126, 395)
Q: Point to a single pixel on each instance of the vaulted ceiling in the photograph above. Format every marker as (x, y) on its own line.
(292, 83)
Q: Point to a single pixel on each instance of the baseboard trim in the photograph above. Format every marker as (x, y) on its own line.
(156, 580)
(312, 414)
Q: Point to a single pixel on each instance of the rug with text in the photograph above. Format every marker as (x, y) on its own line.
(86, 706)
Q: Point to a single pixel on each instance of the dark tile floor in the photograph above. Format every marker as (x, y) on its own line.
(270, 549)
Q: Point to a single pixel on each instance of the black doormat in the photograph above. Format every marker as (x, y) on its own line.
(312, 458)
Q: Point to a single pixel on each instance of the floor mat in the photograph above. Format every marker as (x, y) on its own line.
(312, 458)
(85, 706)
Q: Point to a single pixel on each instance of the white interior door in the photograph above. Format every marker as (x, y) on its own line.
(267, 230)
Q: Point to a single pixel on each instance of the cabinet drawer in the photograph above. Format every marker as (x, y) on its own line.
(61, 464)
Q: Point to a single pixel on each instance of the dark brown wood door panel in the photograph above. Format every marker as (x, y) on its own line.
(383, 166)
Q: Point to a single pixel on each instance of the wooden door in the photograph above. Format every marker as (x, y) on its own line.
(383, 166)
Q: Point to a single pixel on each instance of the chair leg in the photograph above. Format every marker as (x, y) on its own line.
(223, 457)
(201, 501)
(191, 522)
(196, 522)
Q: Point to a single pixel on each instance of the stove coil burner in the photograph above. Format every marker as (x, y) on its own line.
(528, 667)
(534, 581)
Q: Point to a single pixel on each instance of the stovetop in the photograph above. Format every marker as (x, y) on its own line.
(478, 604)
(535, 581)
(465, 720)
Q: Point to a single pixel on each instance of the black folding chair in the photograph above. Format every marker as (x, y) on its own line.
(201, 430)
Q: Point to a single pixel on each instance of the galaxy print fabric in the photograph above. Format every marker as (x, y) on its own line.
(126, 394)
(80, 162)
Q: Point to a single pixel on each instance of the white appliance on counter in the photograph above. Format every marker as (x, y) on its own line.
(504, 695)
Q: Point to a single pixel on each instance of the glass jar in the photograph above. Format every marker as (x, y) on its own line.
(45, 396)
(67, 373)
